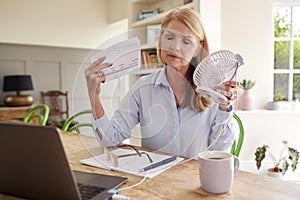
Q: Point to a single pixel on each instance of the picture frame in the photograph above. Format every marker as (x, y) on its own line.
(152, 34)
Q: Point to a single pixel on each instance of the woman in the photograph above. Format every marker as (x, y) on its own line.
(172, 116)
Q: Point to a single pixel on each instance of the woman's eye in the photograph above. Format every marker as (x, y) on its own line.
(186, 42)
(169, 36)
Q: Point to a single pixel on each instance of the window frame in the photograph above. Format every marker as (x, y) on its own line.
(290, 71)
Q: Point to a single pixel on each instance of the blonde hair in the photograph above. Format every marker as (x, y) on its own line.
(191, 19)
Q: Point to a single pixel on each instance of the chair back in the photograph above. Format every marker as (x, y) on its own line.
(42, 115)
(66, 126)
(238, 142)
(57, 102)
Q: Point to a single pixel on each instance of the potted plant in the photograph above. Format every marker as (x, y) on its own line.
(279, 97)
(278, 102)
(288, 157)
(247, 84)
(246, 100)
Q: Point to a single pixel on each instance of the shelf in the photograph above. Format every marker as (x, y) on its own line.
(148, 46)
(148, 2)
(266, 111)
(157, 18)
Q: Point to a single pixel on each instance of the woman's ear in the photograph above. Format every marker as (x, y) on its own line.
(197, 51)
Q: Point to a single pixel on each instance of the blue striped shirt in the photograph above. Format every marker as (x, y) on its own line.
(164, 127)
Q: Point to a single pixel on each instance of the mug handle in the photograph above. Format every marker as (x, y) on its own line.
(236, 164)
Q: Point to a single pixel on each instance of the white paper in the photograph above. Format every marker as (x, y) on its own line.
(132, 164)
(125, 57)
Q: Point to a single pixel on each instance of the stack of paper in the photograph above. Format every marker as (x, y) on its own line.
(132, 164)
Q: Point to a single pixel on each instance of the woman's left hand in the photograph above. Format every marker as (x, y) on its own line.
(228, 89)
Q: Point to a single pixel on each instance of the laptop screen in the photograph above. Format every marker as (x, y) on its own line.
(34, 165)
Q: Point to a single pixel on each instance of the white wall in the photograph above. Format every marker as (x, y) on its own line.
(212, 22)
(271, 128)
(247, 29)
(67, 23)
(34, 34)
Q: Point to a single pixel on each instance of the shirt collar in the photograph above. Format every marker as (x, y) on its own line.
(162, 78)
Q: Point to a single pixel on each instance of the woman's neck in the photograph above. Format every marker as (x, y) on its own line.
(177, 82)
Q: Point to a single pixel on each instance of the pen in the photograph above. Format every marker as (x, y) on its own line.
(163, 162)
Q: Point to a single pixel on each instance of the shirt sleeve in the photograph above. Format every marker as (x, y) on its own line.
(222, 135)
(113, 132)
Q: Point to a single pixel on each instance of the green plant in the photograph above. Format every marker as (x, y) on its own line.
(278, 97)
(288, 156)
(247, 84)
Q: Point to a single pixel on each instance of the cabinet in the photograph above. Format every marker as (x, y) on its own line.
(153, 11)
(16, 113)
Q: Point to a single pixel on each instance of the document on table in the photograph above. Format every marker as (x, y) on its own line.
(125, 57)
(132, 164)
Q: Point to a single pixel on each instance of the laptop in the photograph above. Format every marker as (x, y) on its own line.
(34, 166)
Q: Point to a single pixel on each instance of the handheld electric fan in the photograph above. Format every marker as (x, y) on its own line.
(213, 71)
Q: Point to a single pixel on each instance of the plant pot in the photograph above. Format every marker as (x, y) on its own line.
(246, 100)
(273, 173)
(278, 105)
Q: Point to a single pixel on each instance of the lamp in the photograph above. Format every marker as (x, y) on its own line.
(17, 83)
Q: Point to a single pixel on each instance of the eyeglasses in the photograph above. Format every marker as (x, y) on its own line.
(113, 158)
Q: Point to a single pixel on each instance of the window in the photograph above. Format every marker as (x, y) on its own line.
(286, 38)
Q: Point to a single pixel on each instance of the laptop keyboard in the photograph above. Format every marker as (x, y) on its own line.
(89, 191)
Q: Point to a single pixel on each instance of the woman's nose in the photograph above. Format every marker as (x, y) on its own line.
(175, 46)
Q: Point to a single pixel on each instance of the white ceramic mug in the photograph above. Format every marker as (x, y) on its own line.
(216, 171)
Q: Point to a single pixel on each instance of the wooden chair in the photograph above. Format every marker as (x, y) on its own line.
(59, 106)
(238, 143)
(68, 126)
(42, 116)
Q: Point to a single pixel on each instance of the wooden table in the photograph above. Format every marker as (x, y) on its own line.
(181, 181)
(16, 113)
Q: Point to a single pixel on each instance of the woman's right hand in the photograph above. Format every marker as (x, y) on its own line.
(94, 78)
